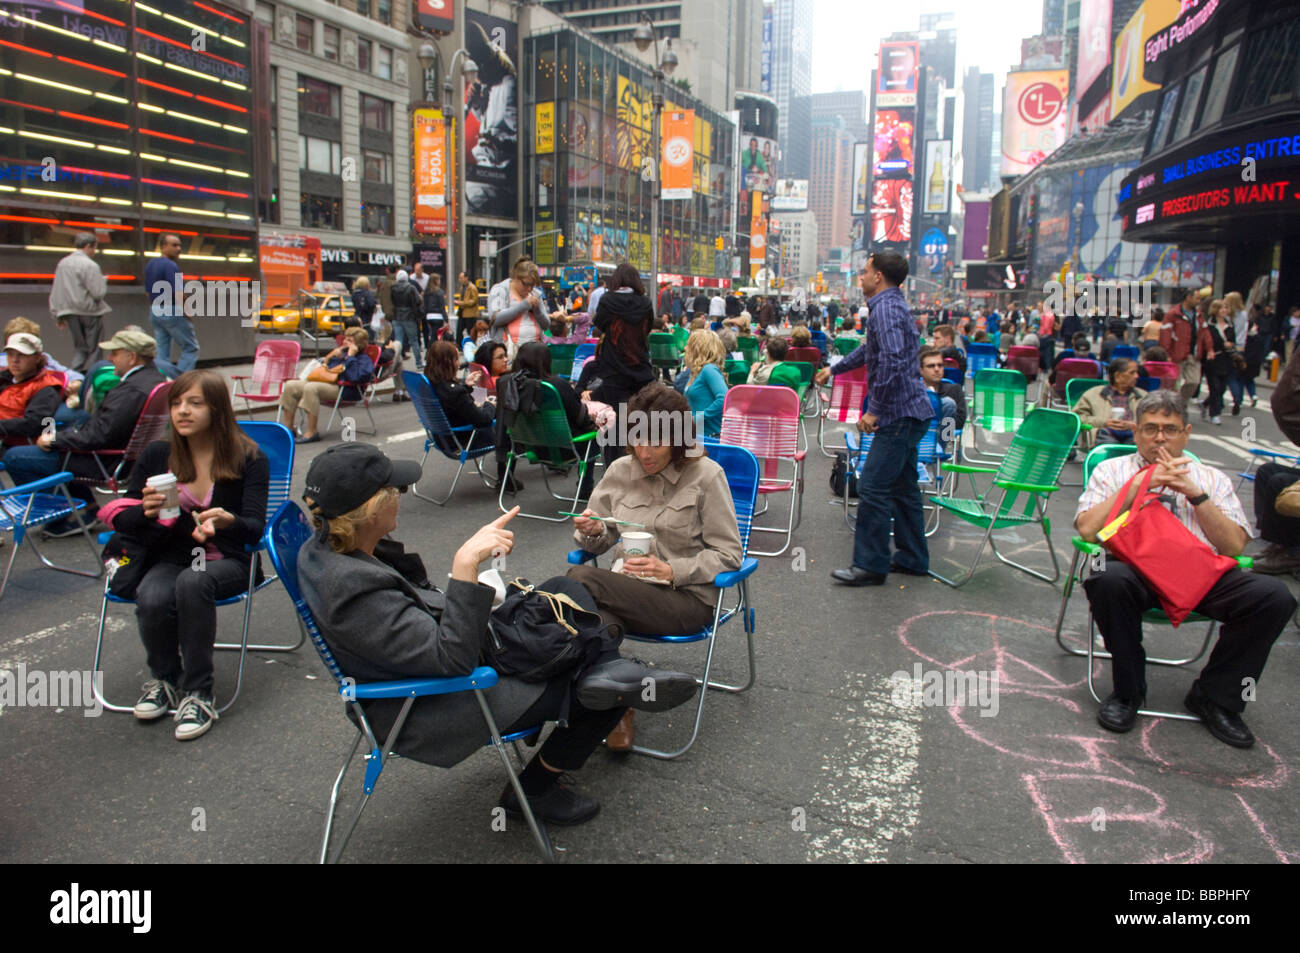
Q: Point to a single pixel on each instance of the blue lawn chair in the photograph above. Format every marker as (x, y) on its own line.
(580, 355)
(1126, 350)
(742, 471)
(30, 506)
(952, 374)
(440, 434)
(286, 533)
(1258, 456)
(276, 441)
(979, 357)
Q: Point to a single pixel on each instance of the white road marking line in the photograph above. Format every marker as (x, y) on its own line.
(868, 782)
(83, 624)
(403, 437)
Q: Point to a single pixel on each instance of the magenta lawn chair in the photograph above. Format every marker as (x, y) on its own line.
(843, 403)
(765, 421)
(274, 362)
(1024, 358)
(155, 417)
(1164, 371)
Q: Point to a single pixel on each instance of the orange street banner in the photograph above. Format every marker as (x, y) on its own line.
(679, 154)
(431, 173)
(758, 241)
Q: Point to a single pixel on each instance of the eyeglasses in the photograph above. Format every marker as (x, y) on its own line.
(1169, 430)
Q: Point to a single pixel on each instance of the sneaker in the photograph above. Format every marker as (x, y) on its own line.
(1254, 402)
(68, 525)
(1217, 421)
(159, 697)
(195, 716)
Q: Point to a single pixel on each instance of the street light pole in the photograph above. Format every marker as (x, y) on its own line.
(644, 36)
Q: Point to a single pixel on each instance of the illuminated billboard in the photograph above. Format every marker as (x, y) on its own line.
(896, 76)
(891, 211)
(861, 175)
(1094, 42)
(1127, 80)
(937, 173)
(791, 195)
(893, 142)
(1035, 118)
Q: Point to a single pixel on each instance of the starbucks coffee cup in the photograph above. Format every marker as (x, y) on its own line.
(638, 544)
(168, 486)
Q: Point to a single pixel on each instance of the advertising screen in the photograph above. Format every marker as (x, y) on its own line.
(437, 15)
(891, 211)
(975, 236)
(861, 155)
(1034, 118)
(896, 77)
(937, 172)
(791, 195)
(491, 117)
(757, 164)
(1094, 42)
(893, 134)
(1127, 81)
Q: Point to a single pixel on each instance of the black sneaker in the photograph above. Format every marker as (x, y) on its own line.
(160, 696)
(195, 716)
(560, 805)
(69, 525)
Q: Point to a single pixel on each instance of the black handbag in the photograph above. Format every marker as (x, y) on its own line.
(543, 632)
(125, 559)
(840, 472)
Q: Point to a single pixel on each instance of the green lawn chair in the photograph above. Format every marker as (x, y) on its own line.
(798, 376)
(846, 344)
(544, 438)
(747, 345)
(562, 359)
(1087, 555)
(1026, 477)
(737, 371)
(1000, 407)
(680, 335)
(1075, 388)
(664, 352)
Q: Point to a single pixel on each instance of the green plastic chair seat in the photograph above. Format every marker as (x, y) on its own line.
(974, 511)
(544, 436)
(1076, 387)
(748, 346)
(562, 358)
(845, 344)
(680, 336)
(664, 351)
(1000, 399)
(737, 371)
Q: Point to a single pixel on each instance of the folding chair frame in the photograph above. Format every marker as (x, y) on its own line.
(22, 524)
(415, 385)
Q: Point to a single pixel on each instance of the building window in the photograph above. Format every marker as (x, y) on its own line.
(330, 48)
(317, 97)
(265, 13)
(1191, 100)
(377, 219)
(1268, 72)
(384, 64)
(377, 167)
(376, 113)
(1217, 97)
(321, 211)
(363, 7)
(384, 11)
(306, 30)
(320, 155)
(364, 55)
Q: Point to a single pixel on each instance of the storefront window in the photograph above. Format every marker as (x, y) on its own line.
(1191, 99)
(321, 211)
(1165, 120)
(376, 219)
(1220, 83)
(1269, 73)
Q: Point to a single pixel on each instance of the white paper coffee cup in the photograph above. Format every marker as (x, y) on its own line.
(638, 544)
(168, 486)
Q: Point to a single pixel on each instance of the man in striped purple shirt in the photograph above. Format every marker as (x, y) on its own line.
(897, 414)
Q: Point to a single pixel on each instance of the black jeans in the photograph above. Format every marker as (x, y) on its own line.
(570, 745)
(1253, 610)
(1270, 480)
(1217, 382)
(177, 612)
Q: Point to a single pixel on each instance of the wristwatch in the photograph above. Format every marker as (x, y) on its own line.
(1197, 500)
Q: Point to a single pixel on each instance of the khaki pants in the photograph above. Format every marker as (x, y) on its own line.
(309, 395)
(1189, 377)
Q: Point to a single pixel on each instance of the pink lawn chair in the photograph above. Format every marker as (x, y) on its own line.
(765, 421)
(1165, 371)
(843, 403)
(274, 362)
(1068, 370)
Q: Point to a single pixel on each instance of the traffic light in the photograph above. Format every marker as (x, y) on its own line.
(717, 243)
(559, 240)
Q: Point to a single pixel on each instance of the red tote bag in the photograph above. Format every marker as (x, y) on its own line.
(1175, 564)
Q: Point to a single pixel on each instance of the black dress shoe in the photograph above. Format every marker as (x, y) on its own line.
(622, 683)
(895, 567)
(854, 576)
(560, 805)
(1117, 714)
(1225, 725)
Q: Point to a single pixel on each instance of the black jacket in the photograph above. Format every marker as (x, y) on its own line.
(947, 388)
(245, 498)
(363, 304)
(434, 302)
(622, 363)
(458, 405)
(732, 307)
(701, 305)
(111, 425)
(42, 404)
(408, 303)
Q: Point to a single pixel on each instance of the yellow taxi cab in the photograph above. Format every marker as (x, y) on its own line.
(311, 310)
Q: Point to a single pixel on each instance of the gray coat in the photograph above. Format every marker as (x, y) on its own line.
(380, 628)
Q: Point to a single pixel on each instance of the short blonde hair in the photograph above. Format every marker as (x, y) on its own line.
(343, 529)
(800, 336)
(361, 282)
(22, 326)
(526, 268)
(1232, 301)
(703, 347)
(358, 336)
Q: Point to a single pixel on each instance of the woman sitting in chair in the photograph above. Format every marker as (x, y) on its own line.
(491, 356)
(223, 478)
(775, 349)
(684, 501)
(705, 387)
(382, 624)
(1111, 408)
(347, 366)
(457, 399)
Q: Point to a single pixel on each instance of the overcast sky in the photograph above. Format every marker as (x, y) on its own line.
(846, 34)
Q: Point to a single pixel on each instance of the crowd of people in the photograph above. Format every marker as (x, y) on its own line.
(490, 364)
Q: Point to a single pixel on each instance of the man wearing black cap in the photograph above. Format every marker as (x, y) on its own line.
(381, 627)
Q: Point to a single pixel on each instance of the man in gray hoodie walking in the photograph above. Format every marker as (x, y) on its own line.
(77, 299)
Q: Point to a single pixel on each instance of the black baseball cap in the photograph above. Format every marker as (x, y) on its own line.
(346, 475)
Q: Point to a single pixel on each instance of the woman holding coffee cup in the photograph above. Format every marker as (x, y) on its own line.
(683, 531)
(203, 489)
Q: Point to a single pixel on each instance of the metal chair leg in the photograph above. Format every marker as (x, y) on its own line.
(539, 833)
(334, 797)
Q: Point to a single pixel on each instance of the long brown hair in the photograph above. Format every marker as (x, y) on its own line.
(231, 447)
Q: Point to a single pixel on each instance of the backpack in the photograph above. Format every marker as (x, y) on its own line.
(540, 633)
(840, 471)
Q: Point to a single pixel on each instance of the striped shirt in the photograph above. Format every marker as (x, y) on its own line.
(1112, 474)
(890, 350)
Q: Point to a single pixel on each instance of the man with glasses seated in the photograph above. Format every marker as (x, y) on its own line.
(1253, 609)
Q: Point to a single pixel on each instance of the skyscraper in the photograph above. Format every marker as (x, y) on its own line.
(978, 129)
(830, 181)
(792, 22)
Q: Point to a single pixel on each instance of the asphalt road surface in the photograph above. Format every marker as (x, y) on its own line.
(824, 760)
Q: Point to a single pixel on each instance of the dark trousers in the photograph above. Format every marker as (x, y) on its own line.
(1253, 610)
(1270, 480)
(86, 329)
(1217, 382)
(644, 607)
(887, 490)
(177, 612)
(571, 744)
(29, 463)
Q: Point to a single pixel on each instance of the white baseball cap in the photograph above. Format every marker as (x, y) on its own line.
(24, 343)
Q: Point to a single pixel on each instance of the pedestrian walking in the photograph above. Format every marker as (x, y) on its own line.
(77, 299)
(468, 305)
(408, 308)
(164, 282)
(898, 414)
